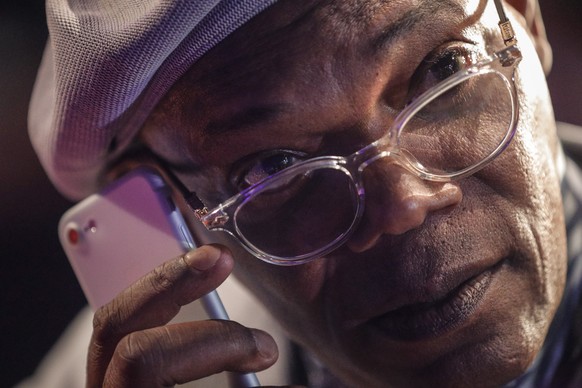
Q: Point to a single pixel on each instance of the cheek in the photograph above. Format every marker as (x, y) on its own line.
(541, 219)
(291, 294)
(527, 176)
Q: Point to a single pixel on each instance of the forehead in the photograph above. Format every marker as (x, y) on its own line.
(291, 28)
(301, 54)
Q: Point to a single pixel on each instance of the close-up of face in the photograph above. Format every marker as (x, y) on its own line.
(451, 281)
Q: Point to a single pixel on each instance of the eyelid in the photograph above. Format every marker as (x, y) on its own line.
(244, 165)
(469, 50)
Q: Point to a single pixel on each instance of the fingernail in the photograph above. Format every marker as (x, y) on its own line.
(202, 259)
(265, 344)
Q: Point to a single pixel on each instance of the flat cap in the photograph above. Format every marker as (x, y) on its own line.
(105, 67)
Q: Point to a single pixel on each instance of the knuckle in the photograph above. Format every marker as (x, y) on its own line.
(131, 349)
(143, 356)
(135, 355)
(159, 280)
(166, 277)
(106, 321)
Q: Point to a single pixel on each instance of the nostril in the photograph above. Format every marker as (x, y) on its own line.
(449, 194)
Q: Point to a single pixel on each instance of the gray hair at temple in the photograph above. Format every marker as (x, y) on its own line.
(106, 65)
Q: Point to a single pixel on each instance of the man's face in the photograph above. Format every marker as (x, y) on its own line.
(449, 283)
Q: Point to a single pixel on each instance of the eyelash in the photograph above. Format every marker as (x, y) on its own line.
(248, 171)
(451, 58)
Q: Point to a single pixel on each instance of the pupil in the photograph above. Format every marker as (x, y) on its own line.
(447, 65)
(275, 163)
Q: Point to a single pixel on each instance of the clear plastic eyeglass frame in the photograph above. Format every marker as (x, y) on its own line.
(503, 63)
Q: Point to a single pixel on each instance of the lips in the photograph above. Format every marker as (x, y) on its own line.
(422, 321)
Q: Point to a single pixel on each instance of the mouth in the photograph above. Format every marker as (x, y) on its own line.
(423, 321)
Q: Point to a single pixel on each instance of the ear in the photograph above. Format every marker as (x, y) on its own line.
(530, 10)
(136, 155)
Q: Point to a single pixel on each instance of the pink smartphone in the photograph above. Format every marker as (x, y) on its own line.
(118, 235)
(114, 237)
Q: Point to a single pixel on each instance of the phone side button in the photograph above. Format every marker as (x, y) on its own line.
(187, 237)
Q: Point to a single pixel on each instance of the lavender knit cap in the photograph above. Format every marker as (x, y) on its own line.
(106, 65)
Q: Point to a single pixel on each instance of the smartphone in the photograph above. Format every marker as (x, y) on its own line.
(116, 236)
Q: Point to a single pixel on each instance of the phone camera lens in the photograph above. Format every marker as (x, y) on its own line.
(91, 226)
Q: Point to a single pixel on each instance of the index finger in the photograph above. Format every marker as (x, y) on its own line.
(154, 300)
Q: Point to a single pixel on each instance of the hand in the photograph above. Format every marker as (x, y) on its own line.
(132, 346)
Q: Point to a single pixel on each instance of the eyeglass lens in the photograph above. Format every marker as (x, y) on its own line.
(299, 215)
(462, 126)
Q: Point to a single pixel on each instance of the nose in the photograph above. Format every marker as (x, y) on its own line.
(398, 201)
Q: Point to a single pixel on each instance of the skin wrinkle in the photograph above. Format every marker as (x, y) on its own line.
(538, 152)
(141, 353)
(220, 77)
(494, 220)
(430, 9)
(411, 253)
(533, 237)
(166, 380)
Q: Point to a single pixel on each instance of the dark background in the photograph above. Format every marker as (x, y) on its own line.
(39, 294)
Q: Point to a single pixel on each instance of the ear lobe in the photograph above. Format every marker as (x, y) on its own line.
(530, 10)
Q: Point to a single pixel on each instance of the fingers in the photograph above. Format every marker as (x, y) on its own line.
(176, 354)
(158, 296)
(153, 301)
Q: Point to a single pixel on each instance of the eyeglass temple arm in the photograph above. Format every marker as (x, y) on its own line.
(505, 25)
(195, 204)
(192, 200)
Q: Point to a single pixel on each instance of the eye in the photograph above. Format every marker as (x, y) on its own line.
(257, 167)
(438, 66)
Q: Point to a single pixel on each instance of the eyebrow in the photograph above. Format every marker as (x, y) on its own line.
(396, 30)
(409, 21)
(246, 118)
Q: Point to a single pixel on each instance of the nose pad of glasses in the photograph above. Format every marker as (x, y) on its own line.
(398, 201)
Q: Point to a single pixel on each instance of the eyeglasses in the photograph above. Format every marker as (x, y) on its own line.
(450, 131)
